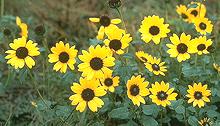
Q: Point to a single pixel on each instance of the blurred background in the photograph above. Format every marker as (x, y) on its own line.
(67, 20)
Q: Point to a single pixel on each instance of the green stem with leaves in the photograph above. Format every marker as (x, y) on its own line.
(123, 22)
(2, 7)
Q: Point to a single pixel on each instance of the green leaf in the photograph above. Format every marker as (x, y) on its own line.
(192, 120)
(149, 121)
(212, 113)
(151, 109)
(119, 113)
(180, 109)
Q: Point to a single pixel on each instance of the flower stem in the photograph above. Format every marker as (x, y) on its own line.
(123, 22)
(2, 7)
(82, 119)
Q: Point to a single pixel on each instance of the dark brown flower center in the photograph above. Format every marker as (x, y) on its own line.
(64, 57)
(198, 95)
(22, 52)
(156, 67)
(154, 30)
(194, 12)
(134, 89)
(202, 26)
(87, 94)
(115, 44)
(114, 3)
(182, 48)
(143, 59)
(105, 21)
(108, 82)
(201, 47)
(184, 16)
(96, 63)
(162, 95)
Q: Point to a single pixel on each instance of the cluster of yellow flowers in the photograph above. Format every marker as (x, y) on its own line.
(97, 76)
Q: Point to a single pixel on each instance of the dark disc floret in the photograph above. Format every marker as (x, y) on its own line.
(87, 94)
(156, 67)
(96, 63)
(198, 95)
(201, 47)
(182, 48)
(194, 12)
(162, 95)
(108, 82)
(154, 30)
(40, 30)
(202, 26)
(22, 52)
(114, 3)
(105, 21)
(134, 89)
(64, 57)
(115, 44)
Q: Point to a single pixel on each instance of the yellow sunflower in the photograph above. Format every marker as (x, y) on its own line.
(203, 26)
(180, 47)
(109, 82)
(143, 57)
(182, 11)
(198, 94)
(162, 94)
(216, 66)
(137, 89)
(64, 56)
(117, 40)
(156, 66)
(23, 27)
(96, 62)
(106, 24)
(87, 93)
(22, 52)
(200, 45)
(205, 122)
(153, 28)
(196, 12)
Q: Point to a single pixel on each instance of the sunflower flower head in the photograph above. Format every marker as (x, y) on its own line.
(96, 62)
(110, 82)
(63, 55)
(198, 94)
(21, 53)
(205, 122)
(216, 67)
(182, 11)
(153, 28)
(196, 10)
(87, 93)
(203, 26)
(106, 24)
(23, 27)
(201, 45)
(162, 94)
(137, 89)
(117, 40)
(155, 66)
(143, 57)
(180, 47)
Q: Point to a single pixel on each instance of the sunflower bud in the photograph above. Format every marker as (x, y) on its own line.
(114, 3)
(40, 30)
(7, 32)
(211, 49)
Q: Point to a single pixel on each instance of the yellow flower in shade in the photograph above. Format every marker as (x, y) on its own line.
(23, 27)
(205, 122)
(63, 56)
(109, 82)
(203, 26)
(87, 93)
(21, 53)
(200, 45)
(137, 89)
(162, 94)
(156, 66)
(180, 47)
(216, 66)
(117, 40)
(196, 12)
(143, 57)
(106, 24)
(182, 11)
(153, 28)
(96, 62)
(198, 94)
